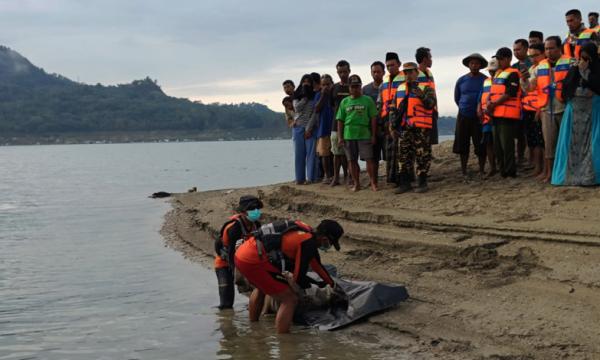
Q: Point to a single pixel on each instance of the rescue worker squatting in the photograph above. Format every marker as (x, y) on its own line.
(281, 248)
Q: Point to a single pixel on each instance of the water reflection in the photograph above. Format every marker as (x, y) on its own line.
(241, 339)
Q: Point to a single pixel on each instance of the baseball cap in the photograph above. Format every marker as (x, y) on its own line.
(354, 80)
(333, 230)
(504, 53)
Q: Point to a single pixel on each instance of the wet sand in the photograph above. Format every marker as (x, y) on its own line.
(497, 268)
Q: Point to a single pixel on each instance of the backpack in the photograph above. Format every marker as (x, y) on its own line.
(270, 235)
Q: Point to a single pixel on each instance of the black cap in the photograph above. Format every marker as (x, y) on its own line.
(354, 80)
(392, 56)
(249, 202)
(536, 34)
(333, 230)
(504, 53)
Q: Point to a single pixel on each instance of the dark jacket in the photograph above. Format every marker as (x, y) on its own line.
(575, 79)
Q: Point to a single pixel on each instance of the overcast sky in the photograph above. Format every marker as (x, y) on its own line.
(240, 51)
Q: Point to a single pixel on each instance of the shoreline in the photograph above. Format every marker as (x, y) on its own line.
(107, 138)
(497, 269)
(100, 137)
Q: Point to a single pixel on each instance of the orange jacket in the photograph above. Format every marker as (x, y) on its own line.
(416, 113)
(485, 95)
(511, 108)
(302, 249)
(550, 82)
(584, 37)
(225, 245)
(299, 248)
(387, 92)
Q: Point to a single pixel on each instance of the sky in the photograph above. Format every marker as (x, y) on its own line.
(232, 51)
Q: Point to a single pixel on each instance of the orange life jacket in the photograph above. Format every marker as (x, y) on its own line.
(485, 95)
(223, 243)
(416, 113)
(530, 101)
(387, 92)
(290, 242)
(584, 37)
(549, 82)
(426, 78)
(511, 108)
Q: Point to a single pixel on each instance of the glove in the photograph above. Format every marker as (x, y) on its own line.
(239, 243)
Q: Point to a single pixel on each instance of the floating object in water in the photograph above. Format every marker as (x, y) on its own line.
(160, 195)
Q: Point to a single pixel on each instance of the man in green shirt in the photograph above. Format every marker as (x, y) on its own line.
(357, 128)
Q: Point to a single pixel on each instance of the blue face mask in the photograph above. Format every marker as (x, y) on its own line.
(254, 215)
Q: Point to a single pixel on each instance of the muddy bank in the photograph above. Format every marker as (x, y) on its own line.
(497, 269)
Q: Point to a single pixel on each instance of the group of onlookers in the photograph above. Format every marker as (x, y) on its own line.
(547, 101)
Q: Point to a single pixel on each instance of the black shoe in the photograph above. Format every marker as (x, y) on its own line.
(403, 184)
(403, 189)
(422, 184)
(411, 176)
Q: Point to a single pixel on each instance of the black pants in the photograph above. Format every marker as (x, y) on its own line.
(504, 145)
(226, 288)
(391, 159)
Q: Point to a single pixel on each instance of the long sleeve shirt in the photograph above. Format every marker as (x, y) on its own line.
(301, 249)
(303, 111)
(467, 90)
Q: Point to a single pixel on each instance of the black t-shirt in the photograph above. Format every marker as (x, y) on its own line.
(512, 85)
(339, 92)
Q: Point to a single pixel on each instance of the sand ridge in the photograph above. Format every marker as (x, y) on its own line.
(497, 269)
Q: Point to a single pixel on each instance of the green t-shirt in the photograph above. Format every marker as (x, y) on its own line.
(356, 114)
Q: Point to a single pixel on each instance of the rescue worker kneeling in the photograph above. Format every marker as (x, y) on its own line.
(239, 226)
(264, 257)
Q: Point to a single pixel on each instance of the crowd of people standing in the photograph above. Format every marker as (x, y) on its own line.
(539, 114)
(548, 101)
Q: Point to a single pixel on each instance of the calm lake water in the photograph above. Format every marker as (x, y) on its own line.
(84, 273)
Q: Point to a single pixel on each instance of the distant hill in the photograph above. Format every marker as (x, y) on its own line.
(446, 125)
(33, 102)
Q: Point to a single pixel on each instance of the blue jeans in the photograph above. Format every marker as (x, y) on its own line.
(304, 155)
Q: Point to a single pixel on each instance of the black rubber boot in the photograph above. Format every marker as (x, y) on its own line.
(422, 184)
(226, 289)
(412, 176)
(404, 184)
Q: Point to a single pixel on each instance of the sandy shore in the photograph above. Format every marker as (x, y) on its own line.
(497, 269)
